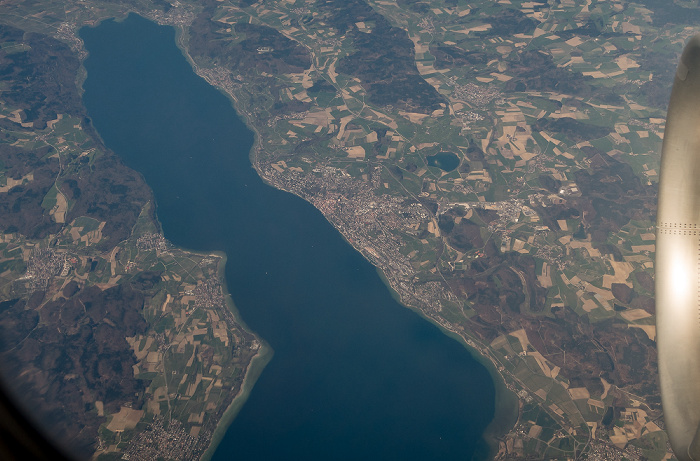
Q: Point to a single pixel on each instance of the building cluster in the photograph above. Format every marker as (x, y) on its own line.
(372, 223)
(643, 124)
(301, 11)
(600, 451)
(538, 163)
(43, 265)
(544, 200)
(470, 116)
(508, 212)
(330, 42)
(209, 294)
(463, 188)
(554, 255)
(291, 116)
(177, 15)
(426, 24)
(478, 96)
(220, 77)
(170, 440)
(152, 241)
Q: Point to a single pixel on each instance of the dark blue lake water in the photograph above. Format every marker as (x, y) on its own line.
(446, 161)
(355, 375)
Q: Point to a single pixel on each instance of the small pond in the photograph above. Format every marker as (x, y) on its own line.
(446, 161)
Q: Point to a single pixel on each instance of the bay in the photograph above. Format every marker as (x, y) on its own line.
(355, 375)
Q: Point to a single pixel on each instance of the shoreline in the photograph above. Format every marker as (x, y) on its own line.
(251, 373)
(265, 353)
(506, 404)
(506, 411)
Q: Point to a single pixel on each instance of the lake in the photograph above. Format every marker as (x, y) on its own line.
(446, 161)
(355, 375)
